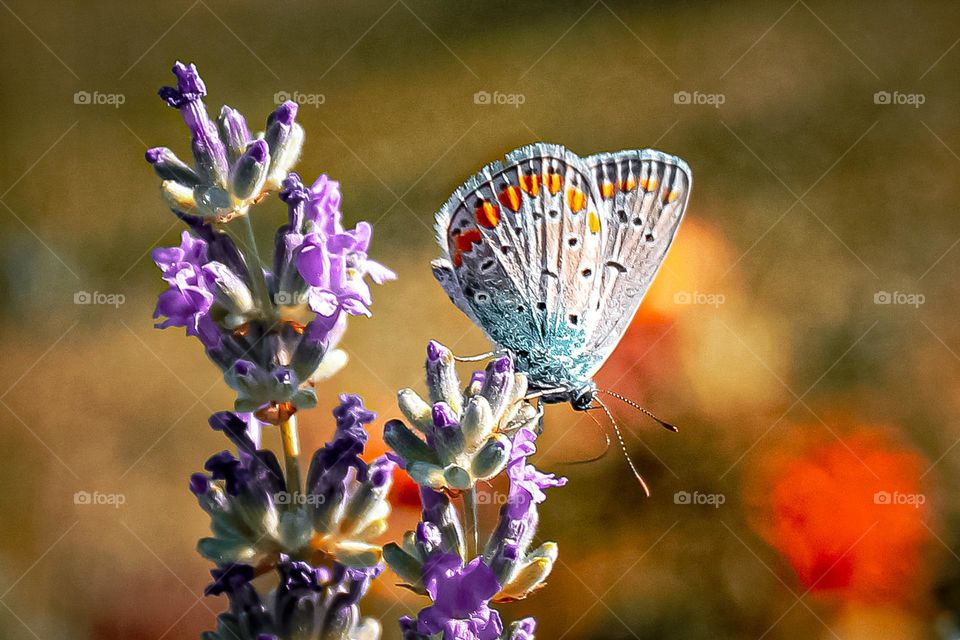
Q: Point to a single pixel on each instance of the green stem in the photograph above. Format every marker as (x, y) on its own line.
(291, 453)
(472, 532)
(259, 280)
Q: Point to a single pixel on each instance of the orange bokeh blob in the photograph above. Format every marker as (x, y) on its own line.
(847, 514)
(697, 260)
(404, 493)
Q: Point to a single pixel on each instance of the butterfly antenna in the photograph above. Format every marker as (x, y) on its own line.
(662, 423)
(623, 447)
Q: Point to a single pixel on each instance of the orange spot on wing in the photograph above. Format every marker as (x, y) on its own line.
(488, 215)
(649, 184)
(530, 183)
(553, 182)
(672, 196)
(607, 189)
(628, 185)
(467, 239)
(593, 221)
(463, 243)
(576, 200)
(510, 198)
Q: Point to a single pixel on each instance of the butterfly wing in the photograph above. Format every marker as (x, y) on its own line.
(523, 244)
(642, 197)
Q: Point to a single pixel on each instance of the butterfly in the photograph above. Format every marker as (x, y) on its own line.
(550, 254)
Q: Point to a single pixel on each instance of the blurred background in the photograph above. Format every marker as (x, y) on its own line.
(802, 333)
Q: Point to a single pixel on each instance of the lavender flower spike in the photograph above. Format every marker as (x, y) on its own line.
(272, 333)
(208, 151)
(464, 434)
(231, 170)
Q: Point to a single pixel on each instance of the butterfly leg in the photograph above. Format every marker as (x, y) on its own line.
(480, 357)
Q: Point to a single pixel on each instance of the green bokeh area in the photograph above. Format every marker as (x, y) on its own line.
(825, 147)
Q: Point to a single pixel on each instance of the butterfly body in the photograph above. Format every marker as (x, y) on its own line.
(550, 255)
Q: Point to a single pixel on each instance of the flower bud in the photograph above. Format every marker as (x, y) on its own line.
(368, 506)
(169, 167)
(406, 443)
(448, 436)
(232, 294)
(477, 422)
(249, 173)
(416, 410)
(178, 196)
(285, 139)
(442, 381)
(233, 132)
(498, 384)
(531, 573)
(491, 458)
(403, 564)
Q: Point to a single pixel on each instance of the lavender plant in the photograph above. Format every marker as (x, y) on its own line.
(294, 556)
(466, 437)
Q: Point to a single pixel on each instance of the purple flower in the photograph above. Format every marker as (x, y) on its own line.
(209, 152)
(331, 260)
(328, 474)
(526, 483)
(187, 301)
(461, 595)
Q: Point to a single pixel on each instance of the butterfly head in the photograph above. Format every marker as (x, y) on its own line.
(580, 398)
